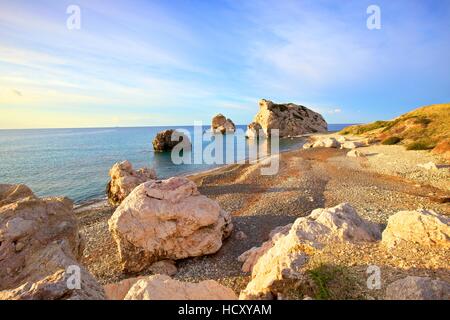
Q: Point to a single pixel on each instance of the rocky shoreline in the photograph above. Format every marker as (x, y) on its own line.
(344, 217)
(308, 179)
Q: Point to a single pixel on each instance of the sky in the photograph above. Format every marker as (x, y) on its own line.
(151, 63)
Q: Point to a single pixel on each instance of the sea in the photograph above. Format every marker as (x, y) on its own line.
(75, 162)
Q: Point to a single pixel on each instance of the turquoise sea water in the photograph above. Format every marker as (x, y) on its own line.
(75, 162)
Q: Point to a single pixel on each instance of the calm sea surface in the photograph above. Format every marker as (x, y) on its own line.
(75, 162)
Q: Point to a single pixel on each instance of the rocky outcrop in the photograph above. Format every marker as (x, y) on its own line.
(167, 219)
(220, 124)
(422, 227)
(290, 119)
(328, 142)
(335, 142)
(10, 193)
(254, 131)
(418, 288)
(166, 140)
(124, 179)
(251, 256)
(281, 260)
(39, 243)
(162, 287)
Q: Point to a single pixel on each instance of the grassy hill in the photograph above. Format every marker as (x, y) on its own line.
(425, 128)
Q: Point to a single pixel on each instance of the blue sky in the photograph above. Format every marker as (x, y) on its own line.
(174, 62)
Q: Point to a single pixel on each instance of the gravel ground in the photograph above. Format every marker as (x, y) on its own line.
(307, 179)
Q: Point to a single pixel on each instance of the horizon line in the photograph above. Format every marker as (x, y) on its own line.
(127, 127)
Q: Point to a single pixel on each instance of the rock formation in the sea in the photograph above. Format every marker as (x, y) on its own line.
(221, 124)
(162, 287)
(124, 179)
(421, 227)
(254, 131)
(39, 248)
(418, 288)
(290, 119)
(166, 140)
(280, 260)
(167, 219)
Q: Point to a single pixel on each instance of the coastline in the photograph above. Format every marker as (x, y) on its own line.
(307, 180)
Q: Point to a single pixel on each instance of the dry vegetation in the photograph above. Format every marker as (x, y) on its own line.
(425, 128)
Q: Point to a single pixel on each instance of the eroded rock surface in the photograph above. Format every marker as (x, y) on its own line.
(221, 124)
(162, 287)
(166, 140)
(39, 247)
(124, 179)
(290, 119)
(421, 227)
(167, 219)
(418, 288)
(281, 259)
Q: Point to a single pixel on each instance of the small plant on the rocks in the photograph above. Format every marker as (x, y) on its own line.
(333, 282)
(391, 140)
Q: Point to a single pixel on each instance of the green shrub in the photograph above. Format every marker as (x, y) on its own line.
(422, 120)
(424, 144)
(391, 140)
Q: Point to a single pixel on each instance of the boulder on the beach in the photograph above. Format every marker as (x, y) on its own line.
(290, 119)
(167, 219)
(220, 124)
(425, 228)
(328, 142)
(355, 154)
(254, 131)
(124, 179)
(10, 193)
(353, 144)
(162, 287)
(251, 256)
(39, 247)
(166, 140)
(282, 258)
(418, 288)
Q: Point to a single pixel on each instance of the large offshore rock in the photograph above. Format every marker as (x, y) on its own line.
(39, 241)
(124, 179)
(254, 131)
(163, 140)
(290, 119)
(281, 259)
(162, 287)
(167, 219)
(424, 228)
(221, 124)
